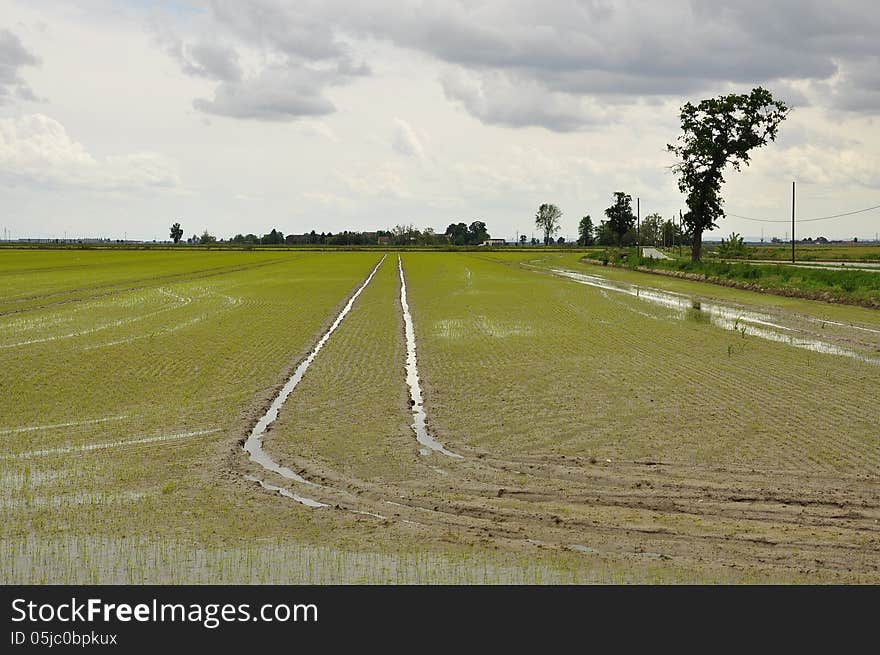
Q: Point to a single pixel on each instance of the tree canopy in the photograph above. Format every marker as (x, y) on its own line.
(585, 232)
(620, 216)
(547, 219)
(460, 234)
(651, 230)
(717, 132)
(176, 233)
(275, 237)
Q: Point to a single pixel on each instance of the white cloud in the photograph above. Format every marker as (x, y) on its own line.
(37, 149)
(475, 82)
(319, 130)
(822, 165)
(383, 182)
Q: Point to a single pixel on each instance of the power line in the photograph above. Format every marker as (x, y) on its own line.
(805, 220)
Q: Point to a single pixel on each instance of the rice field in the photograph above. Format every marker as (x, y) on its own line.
(603, 437)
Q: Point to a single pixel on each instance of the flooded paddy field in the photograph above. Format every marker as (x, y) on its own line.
(452, 417)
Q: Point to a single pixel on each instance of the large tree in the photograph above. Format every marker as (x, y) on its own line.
(274, 237)
(547, 220)
(605, 235)
(717, 132)
(477, 233)
(651, 231)
(620, 215)
(585, 231)
(457, 233)
(176, 233)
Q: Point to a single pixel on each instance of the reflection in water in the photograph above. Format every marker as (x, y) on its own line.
(412, 379)
(726, 317)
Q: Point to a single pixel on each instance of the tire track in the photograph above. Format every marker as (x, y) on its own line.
(419, 424)
(253, 445)
(621, 513)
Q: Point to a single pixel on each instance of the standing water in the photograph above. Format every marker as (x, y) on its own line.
(723, 316)
(419, 425)
(254, 443)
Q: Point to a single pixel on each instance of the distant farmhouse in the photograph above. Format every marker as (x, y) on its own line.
(384, 241)
(494, 242)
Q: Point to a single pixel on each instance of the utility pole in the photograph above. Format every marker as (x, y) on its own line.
(638, 228)
(792, 222)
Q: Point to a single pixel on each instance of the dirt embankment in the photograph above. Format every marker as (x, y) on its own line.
(825, 296)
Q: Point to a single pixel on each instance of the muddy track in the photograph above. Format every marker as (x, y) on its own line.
(253, 444)
(769, 522)
(557, 516)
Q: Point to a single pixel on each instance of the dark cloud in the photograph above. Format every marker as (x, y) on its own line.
(274, 95)
(858, 87)
(210, 59)
(14, 57)
(496, 98)
(299, 30)
(297, 56)
(625, 51)
(574, 53)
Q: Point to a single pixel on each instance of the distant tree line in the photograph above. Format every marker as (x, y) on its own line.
(460, 234)
(275, 237)
(717, 134)
(620, 227)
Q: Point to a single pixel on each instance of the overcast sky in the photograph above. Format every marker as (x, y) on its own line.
(119, 117)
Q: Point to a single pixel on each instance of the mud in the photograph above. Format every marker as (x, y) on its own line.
(776, 523)
(308, 502)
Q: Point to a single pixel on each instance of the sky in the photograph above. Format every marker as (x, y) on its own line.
(118, 118)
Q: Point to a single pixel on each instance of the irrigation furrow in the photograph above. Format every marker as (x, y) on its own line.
(180, 300)
(253, 445)
(631, 511)
(55, 426)
(109, 444)
(308, 502)
(419, 424)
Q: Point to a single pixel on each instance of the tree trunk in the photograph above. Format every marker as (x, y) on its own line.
(696, 245)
